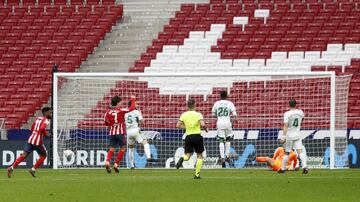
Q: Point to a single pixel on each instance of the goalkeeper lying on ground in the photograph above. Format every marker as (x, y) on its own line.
(275, 162)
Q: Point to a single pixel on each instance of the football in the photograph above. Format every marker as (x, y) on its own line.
(68, 153)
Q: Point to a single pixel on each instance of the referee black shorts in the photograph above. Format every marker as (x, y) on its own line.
(194, 143)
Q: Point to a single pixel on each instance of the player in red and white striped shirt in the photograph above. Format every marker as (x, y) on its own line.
(35, 141)
(115, 119)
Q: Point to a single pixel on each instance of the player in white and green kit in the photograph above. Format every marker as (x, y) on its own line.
(292, 136)
(133, 122)
(225, 112)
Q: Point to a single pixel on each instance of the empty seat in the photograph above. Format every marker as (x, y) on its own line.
(334, 47)
(296, 55)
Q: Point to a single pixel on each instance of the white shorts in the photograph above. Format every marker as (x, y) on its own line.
(292, 144)
(134, 135)
(224, 133)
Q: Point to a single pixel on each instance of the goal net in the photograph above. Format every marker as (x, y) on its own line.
(81, 99)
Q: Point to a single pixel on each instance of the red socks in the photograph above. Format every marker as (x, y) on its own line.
(17, 161)
(21, 158)
(109, 155)
(39, 162)
(119, 156)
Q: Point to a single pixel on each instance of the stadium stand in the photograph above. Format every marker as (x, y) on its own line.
(152, 99)
(223, 35)
(251, 35)
(35, 37)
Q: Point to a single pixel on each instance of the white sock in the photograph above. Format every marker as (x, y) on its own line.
(147, 150)
(285, 162)
(222, 150)
(131, 157)
(302, 157)
(227, 149)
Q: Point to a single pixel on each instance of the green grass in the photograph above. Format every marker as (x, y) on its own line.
(179, 185)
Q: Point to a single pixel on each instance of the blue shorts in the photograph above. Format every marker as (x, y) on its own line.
(40, 149)
(117, 140)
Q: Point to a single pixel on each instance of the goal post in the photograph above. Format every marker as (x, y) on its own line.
(260, 98)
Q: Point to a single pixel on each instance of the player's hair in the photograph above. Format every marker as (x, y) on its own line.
(115, 100)
(223, 94)
(191, 104)
(45, 109)
(292, 103)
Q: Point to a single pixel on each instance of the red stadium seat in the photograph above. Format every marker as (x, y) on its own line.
(7, 77)
(7, 110)
(13, 2)
(108, 2)
(28, 2)
(22, 77)
(44, 2)
(19, 64)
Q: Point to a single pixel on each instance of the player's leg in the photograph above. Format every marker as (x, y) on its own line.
(264, 159)
(189, 149)
(27, 150)
(146, 147)
(228, 135)
(122, 143)
(131, 156)
(131, 145)
(288, 148)
(20, 159)
(221, 138)
(302, 156)
(139, 138)
(199, 149)
(42, 156)
(113, 143)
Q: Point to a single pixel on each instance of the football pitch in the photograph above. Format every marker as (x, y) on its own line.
(179, 185)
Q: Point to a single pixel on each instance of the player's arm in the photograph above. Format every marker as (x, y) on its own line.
(180, 124)
(43, 128)
(302, 115)
(285, 130)
(106, 121)
(233, 113)
(213, 111)
(140, 119)
(276, 154)
(132, 106)
(202, 123)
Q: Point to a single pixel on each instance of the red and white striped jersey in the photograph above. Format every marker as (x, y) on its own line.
(38, 129)
(115, 119)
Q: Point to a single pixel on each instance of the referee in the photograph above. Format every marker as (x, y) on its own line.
(192, 121)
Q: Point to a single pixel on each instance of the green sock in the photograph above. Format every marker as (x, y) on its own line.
(186, 158)
(198, 166)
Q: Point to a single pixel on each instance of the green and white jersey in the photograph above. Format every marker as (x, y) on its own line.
(223, 109)
(293, 118)
(132, 119)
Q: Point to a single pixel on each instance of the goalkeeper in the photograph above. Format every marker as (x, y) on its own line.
(275, 163)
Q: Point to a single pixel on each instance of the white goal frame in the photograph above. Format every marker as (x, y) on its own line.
(191, 74)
